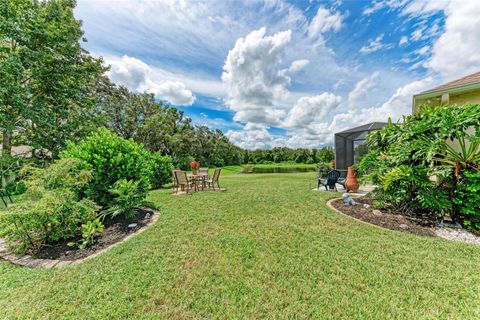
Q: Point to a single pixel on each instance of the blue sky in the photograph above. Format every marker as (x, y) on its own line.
(284, 73)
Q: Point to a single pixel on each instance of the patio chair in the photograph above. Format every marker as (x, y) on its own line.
(184, 183)
(203, 172)
(174, 179)
(215, 179)
(333, 177)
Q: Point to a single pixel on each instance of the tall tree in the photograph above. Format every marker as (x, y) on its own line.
(163, 128)
(47, 80)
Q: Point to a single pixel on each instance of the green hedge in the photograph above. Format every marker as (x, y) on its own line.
(112, 158)
(162, 169)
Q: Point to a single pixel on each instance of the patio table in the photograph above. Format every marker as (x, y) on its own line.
(198, 177)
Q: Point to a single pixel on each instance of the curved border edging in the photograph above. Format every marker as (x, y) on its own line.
(436, 235)
(329, 204)
(30, 262)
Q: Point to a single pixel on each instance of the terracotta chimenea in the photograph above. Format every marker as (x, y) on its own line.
(194, 165)
(351, 184)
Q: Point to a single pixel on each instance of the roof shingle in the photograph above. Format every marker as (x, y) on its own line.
(470, 79)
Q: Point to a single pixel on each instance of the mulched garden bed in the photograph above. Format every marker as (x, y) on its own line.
(386, 218)
(115, 230)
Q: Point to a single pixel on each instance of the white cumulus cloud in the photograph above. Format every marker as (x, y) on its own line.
(129, 71)
(399, 104)
(173, 91)
(253, 79)
(311, 109)
(138, 76)
(254, 136)
(456, 52)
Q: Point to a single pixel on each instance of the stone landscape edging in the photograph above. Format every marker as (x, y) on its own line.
(31, 262)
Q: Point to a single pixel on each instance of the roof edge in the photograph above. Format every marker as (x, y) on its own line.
(459, 88)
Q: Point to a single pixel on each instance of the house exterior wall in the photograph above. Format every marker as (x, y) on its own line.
(468, 97)
(447, 98)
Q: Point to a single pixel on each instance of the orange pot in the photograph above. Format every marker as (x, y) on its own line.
(194, 165)
(351, 184)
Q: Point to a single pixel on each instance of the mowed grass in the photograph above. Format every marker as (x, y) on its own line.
(267, 248)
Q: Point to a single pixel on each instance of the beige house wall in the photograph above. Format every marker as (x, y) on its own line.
(468, 97)
(472, 96)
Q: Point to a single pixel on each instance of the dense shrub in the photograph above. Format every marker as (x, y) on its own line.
(111, 158)
(467, 199)
(162, 169)
(50, 209)
(412, 163)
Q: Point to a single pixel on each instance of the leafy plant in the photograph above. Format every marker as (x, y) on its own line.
(9, 174)
(51, 208)
(467, 158)
(111, 158)
(414, 164)
(128, 196)
(365, 167)
(467, 199)
(89, 231)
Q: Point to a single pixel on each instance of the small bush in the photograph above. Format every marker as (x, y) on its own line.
(111, 158)
(323, 168)
(50, 209)
(127, 197)
(90, 230)
(162, 169)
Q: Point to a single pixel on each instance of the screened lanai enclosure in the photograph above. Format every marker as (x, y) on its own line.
(350, 145)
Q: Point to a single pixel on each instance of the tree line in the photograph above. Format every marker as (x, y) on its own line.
(53, 91)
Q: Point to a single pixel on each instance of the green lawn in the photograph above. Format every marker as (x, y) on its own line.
(266, 248)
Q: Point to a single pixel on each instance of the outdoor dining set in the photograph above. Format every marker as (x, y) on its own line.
(197, 180)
